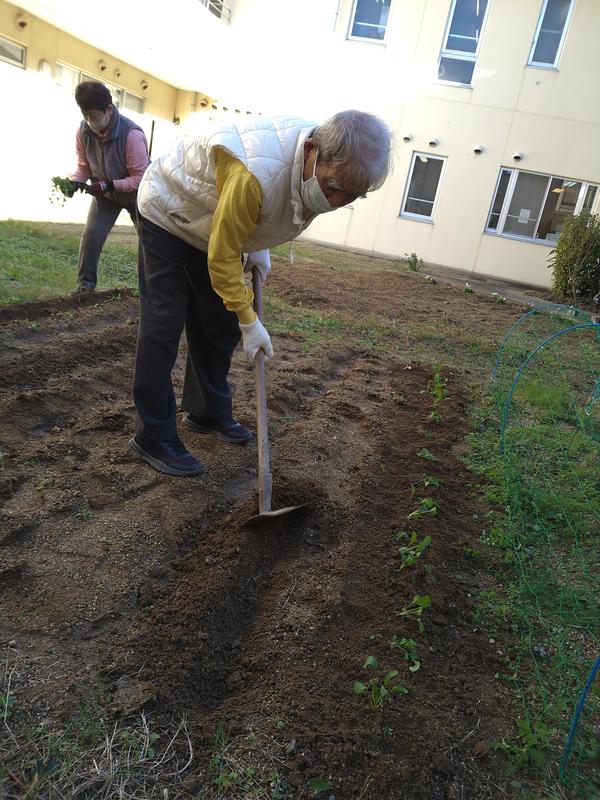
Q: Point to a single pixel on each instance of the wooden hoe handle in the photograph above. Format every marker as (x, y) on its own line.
(265, 479)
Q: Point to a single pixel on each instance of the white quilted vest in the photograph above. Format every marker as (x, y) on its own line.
(178, 191)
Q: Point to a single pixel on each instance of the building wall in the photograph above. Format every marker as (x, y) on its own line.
(296, 58)
(552, 116)
(40, 119)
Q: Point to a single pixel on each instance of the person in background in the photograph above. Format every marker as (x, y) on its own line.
(237, 187)
(112, 154)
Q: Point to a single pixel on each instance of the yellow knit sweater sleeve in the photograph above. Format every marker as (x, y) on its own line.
(236, 216)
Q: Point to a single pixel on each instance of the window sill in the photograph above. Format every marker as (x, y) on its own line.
(366, 40)
(416, 218)
(451, 84)
(12, 63)
(527, 239)
(547, 67)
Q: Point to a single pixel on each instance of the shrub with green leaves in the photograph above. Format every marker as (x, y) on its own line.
(575, 259)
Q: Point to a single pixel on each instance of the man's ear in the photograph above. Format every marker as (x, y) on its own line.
(309, 144)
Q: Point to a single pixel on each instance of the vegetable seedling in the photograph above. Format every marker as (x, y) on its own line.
(415, 610)
(427, 505)
(426, 454)
(408, 648)
(376, 691)
(411, 552)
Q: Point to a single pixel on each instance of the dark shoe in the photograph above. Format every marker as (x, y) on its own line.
(169, 456)
(84, 290)
(227, 429)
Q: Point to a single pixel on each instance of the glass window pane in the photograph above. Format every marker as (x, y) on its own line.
(590, 197)
(216, 7)
(423, 186)
(66, 77)
(499, 200)
(133, 103)
(456, 70)
(523, 213)
(465, 28)
(551, 31)
(560, 204)
(370, 18)
(9, 51)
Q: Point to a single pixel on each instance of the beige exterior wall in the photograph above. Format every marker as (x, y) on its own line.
(37, 140)
(552, 116)
(46, 42)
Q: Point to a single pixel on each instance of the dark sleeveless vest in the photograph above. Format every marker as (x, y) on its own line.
(107, 157)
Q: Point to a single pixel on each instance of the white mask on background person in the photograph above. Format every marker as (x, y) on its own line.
(98, 125)
(312, 194)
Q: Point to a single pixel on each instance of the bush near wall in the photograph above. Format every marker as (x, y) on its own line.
(575, 260)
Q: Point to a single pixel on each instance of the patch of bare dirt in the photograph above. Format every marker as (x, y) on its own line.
(151, 587)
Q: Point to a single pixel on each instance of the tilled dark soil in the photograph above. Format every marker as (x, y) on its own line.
(112, 573)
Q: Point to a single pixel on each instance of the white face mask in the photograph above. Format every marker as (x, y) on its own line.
(99, 125)
(312, 194)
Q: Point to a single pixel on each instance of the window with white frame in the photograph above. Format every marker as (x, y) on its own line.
(69, 77)
(550, 33)
(218, 8)
(11, 52)
(423, 184)
(534, 206)
(369, 19)
(462, 39)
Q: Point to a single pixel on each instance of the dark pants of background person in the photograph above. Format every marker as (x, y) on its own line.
(175, 291)
(101, 218)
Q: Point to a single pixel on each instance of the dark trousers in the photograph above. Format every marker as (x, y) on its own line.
(175, 290)
(100, 221)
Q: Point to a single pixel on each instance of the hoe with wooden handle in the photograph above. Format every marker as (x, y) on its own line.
(265, 479)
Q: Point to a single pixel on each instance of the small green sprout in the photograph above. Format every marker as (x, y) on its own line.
(378, 691)
(408, 648)
(414, 610)
(427, 505)
(436, 386)
(426, 454)
(319, 785)
(427, 481)
(43, 484)
(414, 262)
(6, 703)
(468, 289)
(411, 552)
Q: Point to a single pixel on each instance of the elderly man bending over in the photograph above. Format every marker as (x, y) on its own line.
(240, 187)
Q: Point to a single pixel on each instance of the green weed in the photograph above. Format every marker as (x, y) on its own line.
(528, 747)
(413, 262)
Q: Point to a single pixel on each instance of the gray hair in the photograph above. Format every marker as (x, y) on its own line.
(360, 143)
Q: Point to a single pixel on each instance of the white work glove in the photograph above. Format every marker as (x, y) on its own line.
(261, 260)
(255, 338)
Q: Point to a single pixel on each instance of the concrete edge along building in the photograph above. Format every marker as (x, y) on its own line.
(495, 107)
